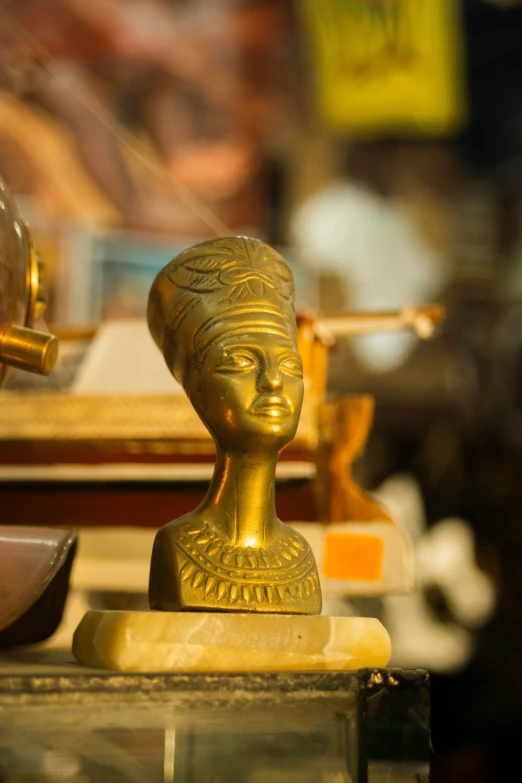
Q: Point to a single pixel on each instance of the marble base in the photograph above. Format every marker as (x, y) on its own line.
(223, 642)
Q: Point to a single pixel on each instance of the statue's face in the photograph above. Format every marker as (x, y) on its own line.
(251, 390)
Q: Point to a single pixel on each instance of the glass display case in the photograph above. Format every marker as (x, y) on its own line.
(68, 723)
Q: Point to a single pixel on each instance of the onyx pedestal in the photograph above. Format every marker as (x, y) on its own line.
(65, 722)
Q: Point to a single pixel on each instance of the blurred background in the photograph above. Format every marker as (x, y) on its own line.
(378, 143)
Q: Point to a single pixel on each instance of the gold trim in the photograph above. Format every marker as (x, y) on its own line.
(126, 419)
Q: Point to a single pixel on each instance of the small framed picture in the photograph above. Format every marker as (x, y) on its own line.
(108, 274)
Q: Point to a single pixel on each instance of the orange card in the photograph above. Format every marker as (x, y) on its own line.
(353, 556)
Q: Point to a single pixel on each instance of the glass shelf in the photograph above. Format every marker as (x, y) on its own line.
(81, 726)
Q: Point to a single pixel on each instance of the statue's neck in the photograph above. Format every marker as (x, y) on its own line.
(242, 494)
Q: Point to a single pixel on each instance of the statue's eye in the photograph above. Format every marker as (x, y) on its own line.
(292, 364)
(237, 362)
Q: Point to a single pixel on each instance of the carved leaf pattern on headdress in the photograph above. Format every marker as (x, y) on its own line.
(252, 273)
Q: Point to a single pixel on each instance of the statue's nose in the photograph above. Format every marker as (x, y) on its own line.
(270, 377)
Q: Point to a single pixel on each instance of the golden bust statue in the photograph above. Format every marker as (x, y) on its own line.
(222, 314)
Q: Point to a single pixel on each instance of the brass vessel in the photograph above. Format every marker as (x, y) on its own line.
(22, 296)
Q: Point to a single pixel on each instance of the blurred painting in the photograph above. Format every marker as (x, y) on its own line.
(149, 115)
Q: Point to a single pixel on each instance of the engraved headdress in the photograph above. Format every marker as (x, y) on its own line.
(222, 285)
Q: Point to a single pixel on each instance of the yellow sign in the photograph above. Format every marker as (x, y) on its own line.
(387, 65)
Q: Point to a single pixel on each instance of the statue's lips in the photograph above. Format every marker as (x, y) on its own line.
(272, 407)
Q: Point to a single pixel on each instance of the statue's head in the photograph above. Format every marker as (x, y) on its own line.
(222, 313)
